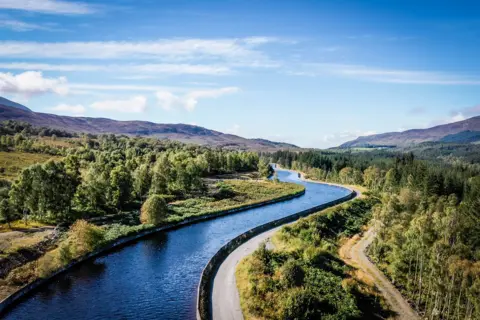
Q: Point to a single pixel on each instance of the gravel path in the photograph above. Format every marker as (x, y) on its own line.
(356, 256)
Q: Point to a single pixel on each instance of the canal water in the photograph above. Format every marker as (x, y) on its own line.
(157, 276)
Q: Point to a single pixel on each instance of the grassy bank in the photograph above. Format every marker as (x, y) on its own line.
(84, 237)
(302, 277)
(12, 163)
(237, 193)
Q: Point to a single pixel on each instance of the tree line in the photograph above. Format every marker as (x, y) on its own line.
(109, 173)
(428, 222)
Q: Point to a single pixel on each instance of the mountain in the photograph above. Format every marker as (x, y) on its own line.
(462, 137)
(409, 137)
(179, 132)
(9, 103)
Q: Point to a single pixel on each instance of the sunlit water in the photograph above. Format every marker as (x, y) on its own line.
(157, 276)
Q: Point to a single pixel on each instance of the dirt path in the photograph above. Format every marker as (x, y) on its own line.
(353, 253)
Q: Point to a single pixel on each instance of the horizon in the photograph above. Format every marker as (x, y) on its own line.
(338, 70)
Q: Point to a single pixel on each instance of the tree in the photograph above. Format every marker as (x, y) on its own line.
(154, 210)
(120, 187)
(141, 181)
(265, 169)
(6, 212)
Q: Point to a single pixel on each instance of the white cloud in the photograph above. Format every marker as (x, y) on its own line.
(335, 139)
(47, 6)
(70, 109)
(467, 112)
(32, 83)
(118, 87)
(133, 105)
(167, 100)
(150, 69)
(385, 75)
(239, 50)
(20, 26)
(235, 129)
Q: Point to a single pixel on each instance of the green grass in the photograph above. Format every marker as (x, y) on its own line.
(12, 163)
(247, 192)
(303, 277)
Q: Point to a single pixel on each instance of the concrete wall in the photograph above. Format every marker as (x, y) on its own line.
(204, 298)
(27, 289)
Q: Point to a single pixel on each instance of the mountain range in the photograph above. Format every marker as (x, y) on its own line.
(10, 110)
(465, 131)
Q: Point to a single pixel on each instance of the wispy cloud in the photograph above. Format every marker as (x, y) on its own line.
(21, 26)
(152, 68)
(32, 83)
(385, 75)
(168, 101)
(69, 109)
(337, 138)
(417, 111)
(231, 49)
(135, 104)
(48, 6)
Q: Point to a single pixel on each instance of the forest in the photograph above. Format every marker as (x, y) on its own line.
(104, 174)
(428, 240)
(65, 195)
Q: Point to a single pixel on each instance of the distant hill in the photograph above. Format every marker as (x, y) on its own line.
(179, 132)
(456, 131)
(9, 103)
(462, 137)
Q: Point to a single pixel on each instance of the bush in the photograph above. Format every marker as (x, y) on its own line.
(299, 304)
(225, 191)
(22, 275)
(154, 210)
(85, 236)
(292, 274)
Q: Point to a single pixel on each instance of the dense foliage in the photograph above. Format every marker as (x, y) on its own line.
(108, 173)
(302, 278)
(428, 223)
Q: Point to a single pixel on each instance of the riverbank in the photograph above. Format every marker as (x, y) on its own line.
(217, 296)
(278, 192)
(300, 269)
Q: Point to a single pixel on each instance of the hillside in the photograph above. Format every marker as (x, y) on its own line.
(9, 103)
(415, 136)
(179, 132)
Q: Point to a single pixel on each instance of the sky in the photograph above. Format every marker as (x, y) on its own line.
(312, 73)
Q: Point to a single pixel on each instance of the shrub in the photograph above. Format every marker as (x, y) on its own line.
(65, 254)
(299, 304)
(85, 236)
(46, 266)
(225, 191)
(22, 275)
(292, 274)
(154, 210)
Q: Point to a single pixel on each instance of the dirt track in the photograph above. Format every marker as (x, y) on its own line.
(354, 254)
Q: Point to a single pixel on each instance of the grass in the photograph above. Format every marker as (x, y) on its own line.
(19, 225)
(11, 163)
(324, 287)
(247, 192)
(11, 243)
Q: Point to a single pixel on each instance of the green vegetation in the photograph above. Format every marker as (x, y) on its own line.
(154, 210)
(12, 163)
(302, 277)
(240, 193)
(428, 220)
(91, 183)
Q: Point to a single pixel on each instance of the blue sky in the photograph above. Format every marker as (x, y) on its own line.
(313, 73)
